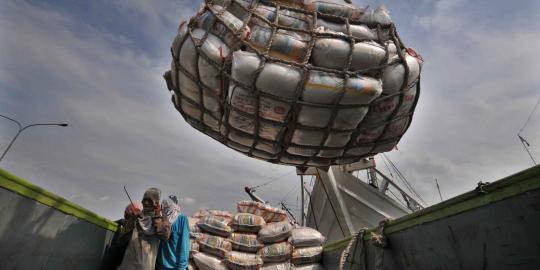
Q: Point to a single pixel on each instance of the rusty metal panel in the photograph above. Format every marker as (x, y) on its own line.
(36, 236)
(499, 236)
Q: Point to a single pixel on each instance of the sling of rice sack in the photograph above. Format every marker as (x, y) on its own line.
(393, 130)
(244, 66)
(243, 261)
(215, 225)
(306, 255)
(285, 45)
(287, 18)
(393, 75)
(276, 266)
(306, 237)
(315, 266)
(278, 252)
(335, 8)
(211, 21)
(275, 232)
(208, 262)
(324, 88)
(244, 222)
(197, 65)
(361, 32)
(382, 109)
(245, 242)
(334, 53)
(243, 143)
(266, 114)
(214, 245)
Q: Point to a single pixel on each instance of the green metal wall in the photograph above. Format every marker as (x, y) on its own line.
(495, 228)
(39, 230)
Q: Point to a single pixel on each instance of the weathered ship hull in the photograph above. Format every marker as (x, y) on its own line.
(492, 228)
(341, 204)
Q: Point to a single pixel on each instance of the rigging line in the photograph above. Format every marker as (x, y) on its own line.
(387, 168)
(403, 178)
(397, 198)
(330, 201)
(530, 115)
(399, 177)
(289, 192)
(411, 189)
(525, 144)
(272, 180)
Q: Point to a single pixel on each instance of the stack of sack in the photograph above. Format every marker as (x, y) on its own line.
(306, 82)
(211, 239)
(307, 248)
(259, 236)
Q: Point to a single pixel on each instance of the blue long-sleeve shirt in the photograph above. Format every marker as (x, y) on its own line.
(174, 253)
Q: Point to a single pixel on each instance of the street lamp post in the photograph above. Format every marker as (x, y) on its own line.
(22, 128)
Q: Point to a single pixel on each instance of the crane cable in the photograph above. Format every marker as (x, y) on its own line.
(272, 180)
(404, 180)
(530, 116)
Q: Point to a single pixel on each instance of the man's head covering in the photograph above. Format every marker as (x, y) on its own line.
(153, 194)
(133, 209)
(170, 208)
(145, 219)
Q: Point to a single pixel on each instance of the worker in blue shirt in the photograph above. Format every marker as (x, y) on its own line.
(174, 253)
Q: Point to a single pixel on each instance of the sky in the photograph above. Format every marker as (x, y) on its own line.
(98, 66)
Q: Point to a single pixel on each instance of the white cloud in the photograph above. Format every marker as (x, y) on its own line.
(445, 16)
(479, 84)
(187, 201)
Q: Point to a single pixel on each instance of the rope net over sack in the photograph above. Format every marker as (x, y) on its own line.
(306, 83)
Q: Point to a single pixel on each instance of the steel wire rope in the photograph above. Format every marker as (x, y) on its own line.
(408, 185)
(272, 180)
(399, 177)
(288, 193)
(524, 142)
(530, 116)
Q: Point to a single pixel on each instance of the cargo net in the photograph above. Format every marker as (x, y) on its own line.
(313, 83)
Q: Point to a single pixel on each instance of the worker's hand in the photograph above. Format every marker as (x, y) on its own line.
(133, 210)
(157, 210)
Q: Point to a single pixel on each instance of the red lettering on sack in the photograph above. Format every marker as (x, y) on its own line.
(279, 110)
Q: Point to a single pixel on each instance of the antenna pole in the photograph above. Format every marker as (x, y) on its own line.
(525, 144)
(438, 188)
(127, 193)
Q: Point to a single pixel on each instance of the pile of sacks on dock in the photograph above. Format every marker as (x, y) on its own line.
(259, 236)
(305, 82)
